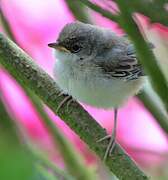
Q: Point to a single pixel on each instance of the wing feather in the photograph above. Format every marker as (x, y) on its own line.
(127, 68)
(123, 63)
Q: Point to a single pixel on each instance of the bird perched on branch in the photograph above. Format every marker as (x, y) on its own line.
(97, 67)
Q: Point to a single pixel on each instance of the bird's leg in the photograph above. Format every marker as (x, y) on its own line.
(112, 137)
(67, 99)
(111, 144)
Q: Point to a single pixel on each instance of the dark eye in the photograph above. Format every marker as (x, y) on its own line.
(75, 48)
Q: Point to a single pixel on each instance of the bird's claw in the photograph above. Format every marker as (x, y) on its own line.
(67, 99)
(110, 146)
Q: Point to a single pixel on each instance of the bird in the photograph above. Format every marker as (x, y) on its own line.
(97, 67)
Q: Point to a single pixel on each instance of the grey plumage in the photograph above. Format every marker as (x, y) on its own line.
(120, 62)
(95, 66)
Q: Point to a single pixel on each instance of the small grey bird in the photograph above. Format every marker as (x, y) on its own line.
(97, 67)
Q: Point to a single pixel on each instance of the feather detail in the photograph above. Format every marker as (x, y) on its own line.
(127, 68)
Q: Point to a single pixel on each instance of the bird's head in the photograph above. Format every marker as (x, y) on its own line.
(87, 46)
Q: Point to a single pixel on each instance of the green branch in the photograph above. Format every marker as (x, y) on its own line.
(78, 10)
(42, 160)
(6, 25)
(100, 10)
(24, 70)
(146, 7)
(150, 9)
(45, 173)
(6, 123)
(145, 55)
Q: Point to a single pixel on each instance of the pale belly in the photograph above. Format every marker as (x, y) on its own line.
(98, 92)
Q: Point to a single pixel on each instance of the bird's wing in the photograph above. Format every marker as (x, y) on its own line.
(123, 64)
(128, 68)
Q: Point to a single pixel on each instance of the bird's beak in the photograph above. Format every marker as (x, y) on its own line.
(58, 47)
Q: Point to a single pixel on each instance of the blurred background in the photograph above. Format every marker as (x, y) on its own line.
(34, 24)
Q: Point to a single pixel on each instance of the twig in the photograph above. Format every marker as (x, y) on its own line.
(150, 9)
(6, 25)
(44, 161)
(102, 11)
(78, 10)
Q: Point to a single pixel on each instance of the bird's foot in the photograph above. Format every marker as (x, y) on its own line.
(110, 146)
(68, 99)
(104, 138)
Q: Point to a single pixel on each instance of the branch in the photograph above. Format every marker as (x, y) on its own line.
(6, 25)
(22, 67)
(6, 123)
(78, 10)
(146, 7)
(48, 164)
(100, 10)
(146, 57)
(150, 9)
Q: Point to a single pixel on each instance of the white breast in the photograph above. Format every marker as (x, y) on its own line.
(93, 89)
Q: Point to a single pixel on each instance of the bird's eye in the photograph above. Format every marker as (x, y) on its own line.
(76, 48)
